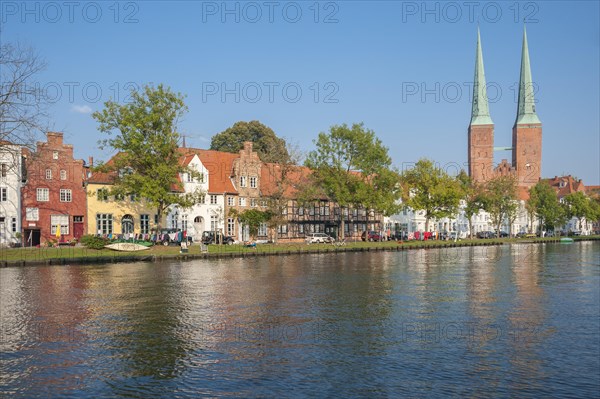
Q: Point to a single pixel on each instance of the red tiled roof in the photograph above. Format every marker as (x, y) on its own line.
(568, 183)
(219, 165)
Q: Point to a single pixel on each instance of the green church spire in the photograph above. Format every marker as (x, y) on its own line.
(480, 112)
(526, 108)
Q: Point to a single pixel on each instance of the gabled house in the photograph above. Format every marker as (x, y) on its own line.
(54, 198)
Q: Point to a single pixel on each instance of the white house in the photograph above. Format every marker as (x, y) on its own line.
(11, 180)
(209, 212)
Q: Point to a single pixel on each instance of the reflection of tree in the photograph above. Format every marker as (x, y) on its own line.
(150, 337)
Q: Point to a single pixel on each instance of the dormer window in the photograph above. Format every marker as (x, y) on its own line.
(562, 184)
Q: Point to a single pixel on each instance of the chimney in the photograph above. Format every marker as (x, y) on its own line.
(91, 162)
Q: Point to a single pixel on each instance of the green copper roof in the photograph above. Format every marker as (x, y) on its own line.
(480, 111)
(526, 108)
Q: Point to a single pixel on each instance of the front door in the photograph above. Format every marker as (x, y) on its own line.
(32, 237)
(77, 227)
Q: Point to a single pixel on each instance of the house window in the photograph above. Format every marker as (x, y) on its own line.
(242, 181)
(13, 223)
(301, 228)
(202, 199)
(77, 219)
(102, 194)
(48, 174)
(253, 182)
(262, 230)
(65, 195)
(63, 174)
(230, 201)
(230, 226)
(119, 197)
(184, 222)
(32, 214)
(301, 211)
(59, 220)
(43, 194)
(213, 199)
(3, 194)
(104, 223)
(189, 179)
(253, 202)
(132, 198)
(214, 222)
(242, 201)
(4, 169)
(282, 229)
(54, 154)
(145, 224)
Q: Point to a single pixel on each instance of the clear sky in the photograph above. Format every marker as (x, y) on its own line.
(403, 68)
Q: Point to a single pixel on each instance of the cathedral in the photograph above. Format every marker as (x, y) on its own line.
(526, 147)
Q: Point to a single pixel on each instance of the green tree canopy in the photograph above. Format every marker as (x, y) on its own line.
(144, 133)
(252, 218)
(352, 167)
(543, 203)
(430, 189)
(269, 147)
(579, 206)
(500, 199)
(472, 194)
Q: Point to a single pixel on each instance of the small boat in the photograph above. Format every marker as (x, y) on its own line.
(126, 246)
(566, 240)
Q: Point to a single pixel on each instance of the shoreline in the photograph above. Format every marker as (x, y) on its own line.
(282, 251)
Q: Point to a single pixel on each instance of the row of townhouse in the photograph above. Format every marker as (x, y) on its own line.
(47, 191)
(228, 182)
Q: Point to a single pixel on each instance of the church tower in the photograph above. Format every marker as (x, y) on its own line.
(481, 128)
(527, 131)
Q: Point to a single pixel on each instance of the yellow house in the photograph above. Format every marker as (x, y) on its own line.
(109, 215)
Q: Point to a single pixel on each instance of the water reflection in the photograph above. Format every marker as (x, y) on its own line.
(505, 321)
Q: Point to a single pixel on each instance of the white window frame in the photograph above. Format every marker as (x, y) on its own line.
(48, 174)
(63, 174)
(63, 220)
(230, 226)
(213, 199)
(43, 194)
(32, 214)
(3, 194)
(66, 195)
(242, 201)
(231, 200)
(54, 154)
(253, 181)
(242, 181)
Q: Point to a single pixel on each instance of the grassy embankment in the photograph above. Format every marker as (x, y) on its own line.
(65, 255)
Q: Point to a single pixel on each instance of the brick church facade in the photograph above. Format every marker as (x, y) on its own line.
(526, 162)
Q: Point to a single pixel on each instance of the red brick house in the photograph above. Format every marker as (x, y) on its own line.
(54, 196)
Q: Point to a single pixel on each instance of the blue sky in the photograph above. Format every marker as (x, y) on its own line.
(403, 68)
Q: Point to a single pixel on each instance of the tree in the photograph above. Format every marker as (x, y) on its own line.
(544, 204)
(22, 103)
(144, 132)
(500, 200)
(578, 205)
(352, 167)
(430, 189)
(269, 147)
(472, 194)
(252, 218)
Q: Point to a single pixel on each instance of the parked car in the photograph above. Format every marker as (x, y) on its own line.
(314, 238)
(371, 236)
(503, 234)
(216, 237)
(486, 234)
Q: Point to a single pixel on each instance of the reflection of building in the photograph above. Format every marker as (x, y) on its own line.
(526, 147)
(54, 196)
(11, 178)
